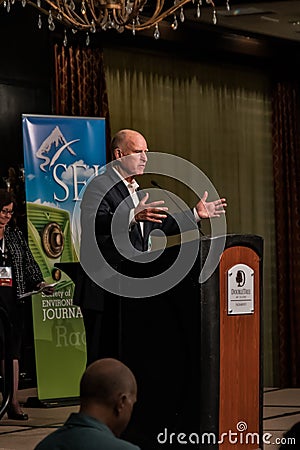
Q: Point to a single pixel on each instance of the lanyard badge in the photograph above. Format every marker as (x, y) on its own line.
(5, 276)
(5, 271)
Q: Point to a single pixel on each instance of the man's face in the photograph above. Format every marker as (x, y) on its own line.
(132, 155)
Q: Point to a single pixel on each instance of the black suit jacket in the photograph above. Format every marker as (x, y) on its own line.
(106, 205)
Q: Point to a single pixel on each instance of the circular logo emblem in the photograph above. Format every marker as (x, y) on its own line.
(53, 240)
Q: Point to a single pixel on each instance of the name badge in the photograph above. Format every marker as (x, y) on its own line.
(5, 276)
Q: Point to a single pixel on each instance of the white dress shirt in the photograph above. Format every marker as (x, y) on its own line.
(132, 188)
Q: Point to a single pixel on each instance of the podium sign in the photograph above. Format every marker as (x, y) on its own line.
(240, 289)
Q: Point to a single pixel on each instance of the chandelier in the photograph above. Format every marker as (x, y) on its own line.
(91, 16)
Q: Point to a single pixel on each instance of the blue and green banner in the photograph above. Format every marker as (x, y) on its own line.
(60, 155)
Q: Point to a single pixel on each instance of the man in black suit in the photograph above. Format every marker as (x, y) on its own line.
(121, 218)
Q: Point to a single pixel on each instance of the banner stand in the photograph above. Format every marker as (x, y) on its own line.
(61, 154)
(34, 402)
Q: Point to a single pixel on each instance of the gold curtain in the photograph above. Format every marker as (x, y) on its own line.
(218, 118)
(286, 148)
(80, 85)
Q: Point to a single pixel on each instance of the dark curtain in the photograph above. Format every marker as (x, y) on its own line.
(286, 127)
(80, 85)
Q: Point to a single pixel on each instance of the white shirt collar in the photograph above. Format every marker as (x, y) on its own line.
(131, 186)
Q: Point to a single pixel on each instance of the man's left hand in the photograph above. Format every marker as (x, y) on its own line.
(207, 210)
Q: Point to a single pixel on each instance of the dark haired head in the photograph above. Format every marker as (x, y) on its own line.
(6, 198)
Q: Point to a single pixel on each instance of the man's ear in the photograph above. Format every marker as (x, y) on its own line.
(117, 153)
(120, 404)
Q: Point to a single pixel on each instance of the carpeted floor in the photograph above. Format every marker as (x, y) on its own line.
(281, 411)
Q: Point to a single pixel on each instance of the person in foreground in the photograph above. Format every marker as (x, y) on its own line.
(117, 190)
(291, 438)
(19, 273)
(108, 392)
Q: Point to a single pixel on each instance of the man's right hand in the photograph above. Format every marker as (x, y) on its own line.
(151, 212)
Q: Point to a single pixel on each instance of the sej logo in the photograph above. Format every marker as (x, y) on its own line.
(52, 149)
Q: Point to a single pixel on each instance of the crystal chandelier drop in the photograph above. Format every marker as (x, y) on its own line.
(91, 16)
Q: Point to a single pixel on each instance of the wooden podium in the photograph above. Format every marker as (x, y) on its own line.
(231, 349)
(196, 353)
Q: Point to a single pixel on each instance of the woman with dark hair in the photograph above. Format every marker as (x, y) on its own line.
(19, 273)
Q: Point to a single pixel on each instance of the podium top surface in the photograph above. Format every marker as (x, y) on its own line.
(255, 242)
(244, 240)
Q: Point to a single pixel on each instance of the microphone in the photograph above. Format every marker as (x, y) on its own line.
(155, 184)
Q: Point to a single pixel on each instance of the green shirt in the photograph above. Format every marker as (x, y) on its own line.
(83, 432)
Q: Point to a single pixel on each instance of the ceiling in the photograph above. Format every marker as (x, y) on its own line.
(269, 19)
(277, 19)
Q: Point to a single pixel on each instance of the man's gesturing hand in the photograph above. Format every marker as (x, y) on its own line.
(151, 212)
(206, 209)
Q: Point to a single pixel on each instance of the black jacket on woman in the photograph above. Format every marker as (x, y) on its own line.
(26, 272)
